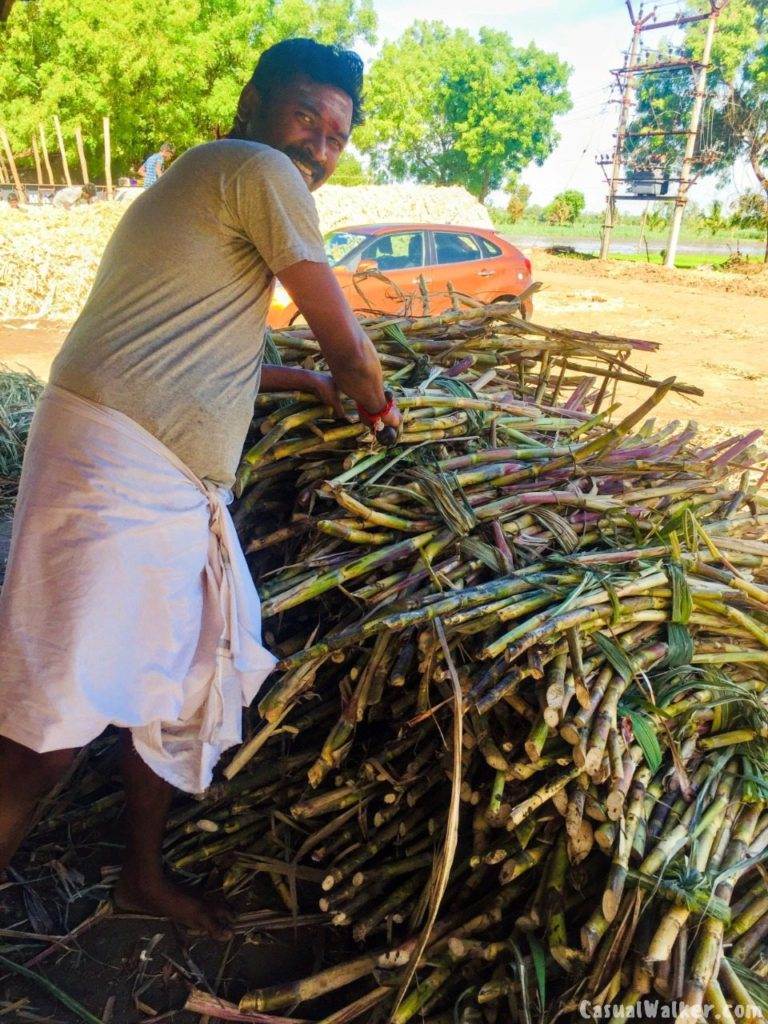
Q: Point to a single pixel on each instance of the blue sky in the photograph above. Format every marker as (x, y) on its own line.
(591, 35)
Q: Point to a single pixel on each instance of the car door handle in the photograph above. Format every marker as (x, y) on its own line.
(486, 273)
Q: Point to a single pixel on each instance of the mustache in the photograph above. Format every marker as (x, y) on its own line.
(306, 158)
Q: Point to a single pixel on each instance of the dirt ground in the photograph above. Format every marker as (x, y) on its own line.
(712, 326)
(713, 330)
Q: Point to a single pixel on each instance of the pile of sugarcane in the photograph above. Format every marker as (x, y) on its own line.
(517, 750)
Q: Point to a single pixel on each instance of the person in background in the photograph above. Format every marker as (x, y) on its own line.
(75, 195)
(13, 200)
(126, 190)
(154, 165)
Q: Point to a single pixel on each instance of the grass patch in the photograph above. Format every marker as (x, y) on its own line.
(689, 260)
(590, 227)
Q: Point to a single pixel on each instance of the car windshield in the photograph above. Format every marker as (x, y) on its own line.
(341, 243)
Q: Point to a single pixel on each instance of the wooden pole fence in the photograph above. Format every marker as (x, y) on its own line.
(108, 157)
(47, 159)
(12, 164)
(62, 150)
(38, 168)
(81, 154)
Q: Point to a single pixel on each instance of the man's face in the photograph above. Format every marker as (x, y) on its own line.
(310, 123)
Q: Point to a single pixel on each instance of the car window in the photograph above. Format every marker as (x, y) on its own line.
(489, 250)
(455, 248)
(340, 244)
(400, 251)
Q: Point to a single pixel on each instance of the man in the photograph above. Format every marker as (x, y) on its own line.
(154, 166)
(13, 199)
(127, 598)
(75, 195)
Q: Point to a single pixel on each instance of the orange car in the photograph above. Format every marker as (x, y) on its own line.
(379, 265)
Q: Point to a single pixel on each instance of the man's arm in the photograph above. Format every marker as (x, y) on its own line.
(348, 350)
(294, 378)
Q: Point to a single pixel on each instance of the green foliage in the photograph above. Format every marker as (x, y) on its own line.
(715, 219)
(160, 69)
(448, 108)
(349, 171)
(750, 211)
(565, 208)
(519, 194)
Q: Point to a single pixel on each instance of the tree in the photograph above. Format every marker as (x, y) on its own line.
(519, 194)
(751, 211)
(714, 220)
(160, 69)
(445, 107)
(349, 171)
(565, 208)
(735, 120)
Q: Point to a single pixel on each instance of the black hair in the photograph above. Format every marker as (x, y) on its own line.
(328, 65)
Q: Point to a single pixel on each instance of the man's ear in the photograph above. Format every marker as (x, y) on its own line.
(248, 106)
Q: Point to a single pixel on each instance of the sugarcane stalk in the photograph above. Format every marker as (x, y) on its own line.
(278, 996)
(740, 997)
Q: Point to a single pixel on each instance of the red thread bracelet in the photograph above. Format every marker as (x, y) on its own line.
(371, 418)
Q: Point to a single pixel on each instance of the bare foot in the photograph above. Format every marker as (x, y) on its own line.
(143, 894)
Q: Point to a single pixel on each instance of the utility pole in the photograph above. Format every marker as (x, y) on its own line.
(627, 75)
(693, 132)
(626, 102)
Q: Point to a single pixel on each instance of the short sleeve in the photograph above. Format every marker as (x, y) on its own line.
(274, 209)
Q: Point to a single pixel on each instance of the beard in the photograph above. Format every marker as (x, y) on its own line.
(300, 155)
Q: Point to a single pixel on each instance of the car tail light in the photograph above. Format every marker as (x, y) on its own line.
(528, 264)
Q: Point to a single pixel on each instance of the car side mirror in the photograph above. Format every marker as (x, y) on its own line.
(367, 266)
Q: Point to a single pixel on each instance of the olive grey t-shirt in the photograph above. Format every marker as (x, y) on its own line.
(172, 333)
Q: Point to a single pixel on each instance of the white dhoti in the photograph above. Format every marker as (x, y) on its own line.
(127, 599)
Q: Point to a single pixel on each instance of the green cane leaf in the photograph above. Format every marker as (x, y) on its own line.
(71, 1004)
(540, 966)
(615, 656)
(682, 602)
(680, 645)
(645, 734)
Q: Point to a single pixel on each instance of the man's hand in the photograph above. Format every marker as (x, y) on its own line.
(294, 378)
(324, 387)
